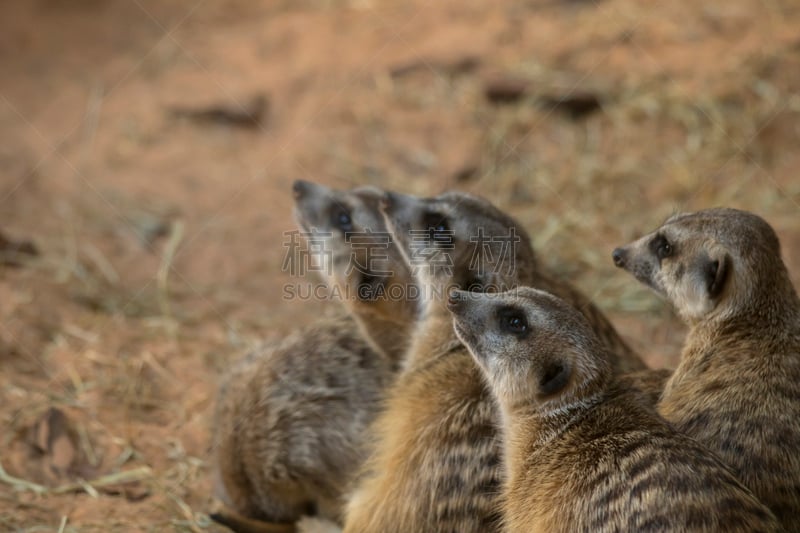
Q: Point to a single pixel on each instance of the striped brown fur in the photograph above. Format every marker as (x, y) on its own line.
(583, 451)
(436, 464)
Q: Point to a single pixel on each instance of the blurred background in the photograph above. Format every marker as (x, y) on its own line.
(147, 151)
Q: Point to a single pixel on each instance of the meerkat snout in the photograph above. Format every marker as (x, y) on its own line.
(454, 301)
(300, 188)
(618, 255)
(311, 204)
(464, 313)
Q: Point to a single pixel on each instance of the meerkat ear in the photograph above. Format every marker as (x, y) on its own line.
(554, 377)
(716, 271)
(708, 273)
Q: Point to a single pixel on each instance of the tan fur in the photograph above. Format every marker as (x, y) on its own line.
(649, 383)
(290, 423)
(737, 387)
(436, 464)
(582, 451)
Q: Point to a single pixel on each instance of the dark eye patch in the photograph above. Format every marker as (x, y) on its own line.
(341, 218)
(513, 320)
(437, 226)
(555, 377)
(661, 247)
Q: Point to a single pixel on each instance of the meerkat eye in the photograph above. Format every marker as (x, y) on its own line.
(661, 247)
(341, 219)
(437, 227)
(513, 321)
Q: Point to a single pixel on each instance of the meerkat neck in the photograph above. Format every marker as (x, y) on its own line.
(529, 430)
(433, 333)
(770, 329)
(520, 439)
(766, 315)
(388, 336)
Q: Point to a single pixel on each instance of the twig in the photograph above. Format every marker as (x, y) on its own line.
(20, 484)
(162, 277)
(63, 524)
(186, 511)
(127, 476)
(91, 491)
(101, 262)
(157, 367)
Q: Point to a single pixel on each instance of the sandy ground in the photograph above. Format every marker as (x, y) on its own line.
(160, 233)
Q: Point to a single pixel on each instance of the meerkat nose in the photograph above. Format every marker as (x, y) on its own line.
(455, 300)
(618, 255)
(299, 188)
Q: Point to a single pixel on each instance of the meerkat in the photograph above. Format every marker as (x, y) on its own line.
(290, 421)
(582, 452)
(737, 386)
(436, 461)
(360, 259)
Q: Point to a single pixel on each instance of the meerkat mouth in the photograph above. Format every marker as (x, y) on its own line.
(645, 276)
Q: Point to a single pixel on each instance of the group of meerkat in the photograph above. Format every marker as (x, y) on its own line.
(500, 398)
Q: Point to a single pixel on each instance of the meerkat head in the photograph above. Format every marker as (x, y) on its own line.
(456, 239)
(708, 264)
(534, 348)
(348, 239)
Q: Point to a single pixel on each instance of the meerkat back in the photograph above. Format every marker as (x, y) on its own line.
(291, 419)
(584, 452)
(737, 386)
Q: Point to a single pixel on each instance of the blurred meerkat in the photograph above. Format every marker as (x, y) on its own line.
(737, 386)
(360, 260)
(290, 420)
(436, 462)
(582, 452)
